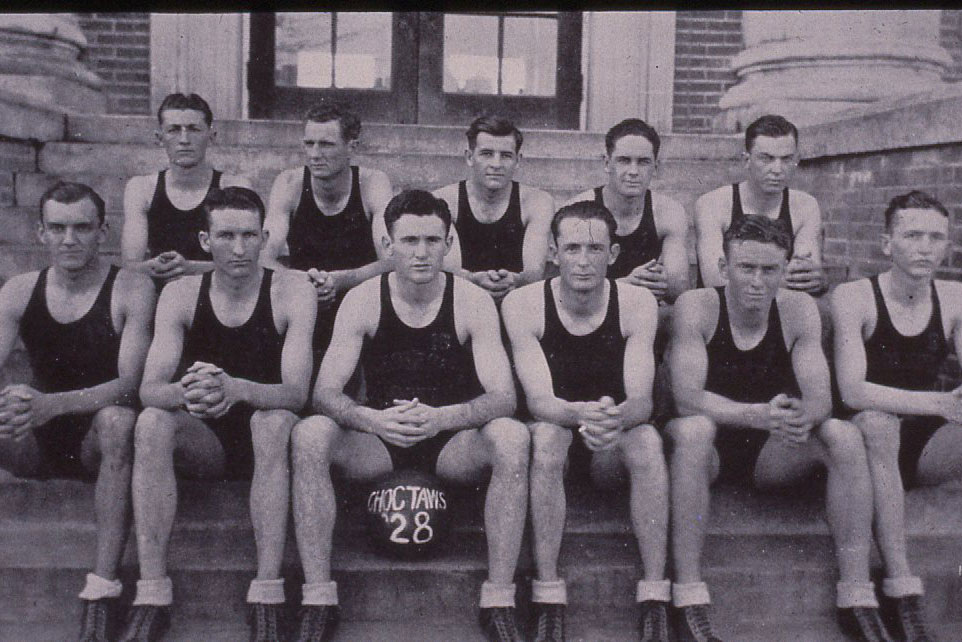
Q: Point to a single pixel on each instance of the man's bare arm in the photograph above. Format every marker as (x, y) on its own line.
(639, 318)
(280, 208)
(808, 360)
(708, 236)
(174, 311)
(539, 208)
(674, 247)
(805, 269)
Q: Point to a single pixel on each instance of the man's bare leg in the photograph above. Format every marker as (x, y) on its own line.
(550, 445)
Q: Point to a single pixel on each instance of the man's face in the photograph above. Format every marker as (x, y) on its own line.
(328, 154)
(772, 162)
(72, 233)
(234, 241)
(754, 271)
(185, 136)
(917, 242)
(583, 252)
(493, 161)
(631, 165)
(417, 246)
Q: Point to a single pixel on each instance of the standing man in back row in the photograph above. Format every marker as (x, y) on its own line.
(771, 157)
(324, 213)
(652, 228)
(162, 212)
(502, 225)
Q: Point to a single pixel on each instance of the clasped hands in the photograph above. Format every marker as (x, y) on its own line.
(406, 423)
(599, 423)
(22, 409)
(209, 392)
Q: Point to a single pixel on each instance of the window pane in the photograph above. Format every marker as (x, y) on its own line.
(363, 58)
(470, 54)
(530, 57)
(302, 50)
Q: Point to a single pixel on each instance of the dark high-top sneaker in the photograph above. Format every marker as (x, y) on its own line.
(549, 622)
(500, 624)
(693, 624)
(653, 622)
(99, 622)
(146, 623)
(863, 623)
(317, 623)
(266, 622)
(905, 618)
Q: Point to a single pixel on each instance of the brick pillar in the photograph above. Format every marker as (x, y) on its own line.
(40, 63)
(806, 65)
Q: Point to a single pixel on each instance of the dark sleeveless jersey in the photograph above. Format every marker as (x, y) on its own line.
(249, 351)
(638, 247)
(749, 376)
(401, 362)
(169, 228)
(895, 360)
(491, 246)
(75, 355)
(585, 367)
(339, 242)
(784, 217)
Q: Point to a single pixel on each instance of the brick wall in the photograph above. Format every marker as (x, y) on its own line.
(119, 52)
(705, 43)
(950, 37)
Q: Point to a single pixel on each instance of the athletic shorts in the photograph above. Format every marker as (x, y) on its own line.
(914, 434)
(422, 456)
(738, 450)
(233, 431)
(59, 441)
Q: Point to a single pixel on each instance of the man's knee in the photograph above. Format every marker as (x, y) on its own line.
(271, 434)
(692, 436)
(154, 434)
(549, 446)
(312, 440)
(880, 431)
(843, 443)
(509, 444)
(114, 429)
(641, 448)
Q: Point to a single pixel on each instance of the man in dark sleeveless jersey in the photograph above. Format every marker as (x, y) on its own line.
(86, 327)
(162, 212)
(893, 332)
(583, 351)
(439, 398)
(771, 157)
(652, 227)
(752, 387)
(501, 226)
(229, 363)
(329, 213)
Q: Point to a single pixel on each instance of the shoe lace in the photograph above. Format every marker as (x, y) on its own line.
(504, 625)
(140, 620)
(313, 621)
(95, 621)
(870, 624)
(265, 622)
(913, 623)
(550, 623)
(655, 624)
(700, 623)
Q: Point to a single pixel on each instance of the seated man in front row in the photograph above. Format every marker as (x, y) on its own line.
(583, 350)
(893, 332)
(752, 386)
(86, 327)
(229, 363)
(439, 398)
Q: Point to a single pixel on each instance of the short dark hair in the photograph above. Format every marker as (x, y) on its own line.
(772, 126)
(180, 101)
(585, 211)
(69, 193)
(419, 203)
(348, 121)
(238, 198)
(494, 126)
(762, 229)
(914, 200)
(632, 127)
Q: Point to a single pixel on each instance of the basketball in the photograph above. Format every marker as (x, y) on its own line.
(407, 513)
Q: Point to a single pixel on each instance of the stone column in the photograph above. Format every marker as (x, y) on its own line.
(40, 63)
(806, 65)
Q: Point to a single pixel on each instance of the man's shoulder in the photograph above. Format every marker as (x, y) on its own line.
(802, 202)
(668, 212)
(143, 185)
(531, 195)
(852, 292)
(182, 293)
(17, 290)
(132, 283)
(587, 195)
(635, 297)
(525, 297)
(720, 195)
(287, 285)
(292, 177)
(370, 176)
(950, 292)
(447, 192)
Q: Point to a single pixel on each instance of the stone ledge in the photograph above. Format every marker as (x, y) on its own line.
(22, 120)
